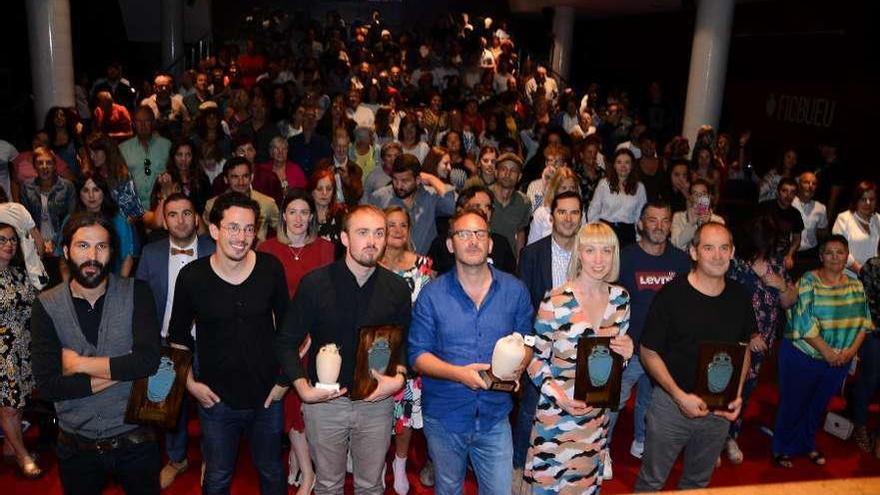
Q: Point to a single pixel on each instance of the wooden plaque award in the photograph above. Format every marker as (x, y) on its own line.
(378, 349)
(598, 372)
(718, 373)
(156, 400)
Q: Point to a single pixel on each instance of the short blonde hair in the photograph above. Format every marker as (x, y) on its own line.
(595, 233)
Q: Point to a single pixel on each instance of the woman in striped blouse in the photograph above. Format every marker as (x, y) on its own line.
(826, 326)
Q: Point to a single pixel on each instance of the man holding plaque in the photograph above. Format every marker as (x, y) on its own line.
(336, 304)
(458, 321)
(85, 360)
(690, 312)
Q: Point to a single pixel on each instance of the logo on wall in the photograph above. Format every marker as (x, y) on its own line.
(802, 110)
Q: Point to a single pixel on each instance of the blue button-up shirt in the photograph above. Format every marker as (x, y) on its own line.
(447, 323)
(427, 206)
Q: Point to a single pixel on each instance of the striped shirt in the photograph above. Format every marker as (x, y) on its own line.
(836, 313)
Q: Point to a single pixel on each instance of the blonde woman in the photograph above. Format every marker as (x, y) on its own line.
(587, 304)
(563, 180)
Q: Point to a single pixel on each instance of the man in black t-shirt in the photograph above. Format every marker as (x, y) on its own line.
(701, 307)
(788, 218)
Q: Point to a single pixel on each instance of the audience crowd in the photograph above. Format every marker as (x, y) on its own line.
(323, 176)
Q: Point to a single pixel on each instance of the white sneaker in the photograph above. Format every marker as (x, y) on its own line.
(607, 472)
(637, 449)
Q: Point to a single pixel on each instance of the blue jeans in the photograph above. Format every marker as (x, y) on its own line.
(633, 375)
(868, 380)
(222, 428)
(176, 440)
(525, 417)
(490, 453)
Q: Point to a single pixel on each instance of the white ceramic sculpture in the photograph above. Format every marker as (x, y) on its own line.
(507, 356)
(328, 363)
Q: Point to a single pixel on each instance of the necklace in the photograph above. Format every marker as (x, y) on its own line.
(296, 254)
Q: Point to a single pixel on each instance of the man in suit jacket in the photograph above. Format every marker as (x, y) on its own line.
(543, 266)
(159, 265)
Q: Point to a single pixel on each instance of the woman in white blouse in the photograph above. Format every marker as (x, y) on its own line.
(698, 212)
(619, 197)
(860, 225)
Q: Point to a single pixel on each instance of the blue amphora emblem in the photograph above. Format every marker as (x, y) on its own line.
(379, 355)
(599, 363)
(719, 372)
(159, 385)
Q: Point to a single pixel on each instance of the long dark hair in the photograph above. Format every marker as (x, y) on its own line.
(759, 238)
(301, 195)
(631, 185)
(108, 206)
(195, 168)
(70, 121)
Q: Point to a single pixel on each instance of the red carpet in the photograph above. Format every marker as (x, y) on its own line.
(845, 460)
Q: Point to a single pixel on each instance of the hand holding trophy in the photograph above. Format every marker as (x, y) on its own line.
(507, 358)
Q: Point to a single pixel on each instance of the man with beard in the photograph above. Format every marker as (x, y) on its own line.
(331, 305)
(407, 189)
(159, 266)
(513, 213)
(236, 298)
(543, 266)
(457, 320)
(702, 306)
(788, 218)
(85, 360)
(238, 173)
(645, 267)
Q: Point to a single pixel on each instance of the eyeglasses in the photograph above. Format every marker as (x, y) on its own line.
(466, 235)
(147, 164)
(235, 229)
(6, 240)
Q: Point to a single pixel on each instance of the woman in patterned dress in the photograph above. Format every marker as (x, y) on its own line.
(761, 272)
(16, 379)
(568, 436)
(400, 258)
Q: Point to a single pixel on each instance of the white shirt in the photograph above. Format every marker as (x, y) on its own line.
(17, 216)
(559, 263)
(175, 264)
(862, 246)
(815, 217)
(618, 207)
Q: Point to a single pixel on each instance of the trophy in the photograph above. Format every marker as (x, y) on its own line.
(507, 359)
(598, 372)
(718, 373)
(156, 400)
(379, 348)
(328, 363)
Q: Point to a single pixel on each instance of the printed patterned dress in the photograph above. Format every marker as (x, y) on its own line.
(408, 401)
(16, 298)
(565, 455)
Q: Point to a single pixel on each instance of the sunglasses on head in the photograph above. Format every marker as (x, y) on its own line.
(147, 164)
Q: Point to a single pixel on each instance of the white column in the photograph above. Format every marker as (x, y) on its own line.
(708, 65)
(171, 20)
(563, 31)
(51, 55)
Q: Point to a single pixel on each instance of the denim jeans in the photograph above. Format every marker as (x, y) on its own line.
(490, 453)
(633, 375)
(135, 467)
(868, 380)
(222, 428)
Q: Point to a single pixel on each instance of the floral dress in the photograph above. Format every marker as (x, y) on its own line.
(408, 401)
(768, 316)
(16, 298)
(565, 453)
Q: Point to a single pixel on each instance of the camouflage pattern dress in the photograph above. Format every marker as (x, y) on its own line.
(565, 455)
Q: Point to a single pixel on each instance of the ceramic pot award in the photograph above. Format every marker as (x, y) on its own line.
(598, 372)
(379, 348)
(156, 400)
(718, 373)
(507, 357)
(328, 363)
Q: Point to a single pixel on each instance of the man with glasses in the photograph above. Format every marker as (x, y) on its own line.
(238, 174)
(456, 322)
(236, 298)
(145, 153)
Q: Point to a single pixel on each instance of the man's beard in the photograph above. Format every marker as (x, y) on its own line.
(404, 193)
(89, 282)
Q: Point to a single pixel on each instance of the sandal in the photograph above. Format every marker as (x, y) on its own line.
(783, 461)
(816, 458)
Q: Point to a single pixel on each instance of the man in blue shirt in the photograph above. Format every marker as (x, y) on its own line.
(456, 322)
(407, 189)
(645, 267)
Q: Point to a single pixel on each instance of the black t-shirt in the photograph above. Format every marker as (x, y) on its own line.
(789, 219)
(681, 318)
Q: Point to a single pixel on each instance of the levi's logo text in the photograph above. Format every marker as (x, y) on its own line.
(653, 280)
